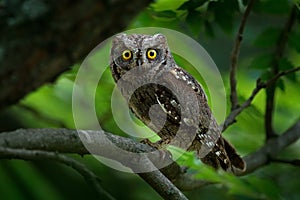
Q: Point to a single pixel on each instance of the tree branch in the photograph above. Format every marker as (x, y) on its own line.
(88, 175)
(271, 149)
(259, 85)
(103, 144)
(295, 162)
(234, 57)
(270, 100)
(183, 180)
(68, 141)
(163, 185)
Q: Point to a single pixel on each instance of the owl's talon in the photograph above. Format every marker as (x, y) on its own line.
(184, 169)
(145, 141)
(163, 154)
(151, 144)
(161, 144)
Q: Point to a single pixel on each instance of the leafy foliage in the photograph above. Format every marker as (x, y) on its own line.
(294, 40)
(268, 38)
(270, 7)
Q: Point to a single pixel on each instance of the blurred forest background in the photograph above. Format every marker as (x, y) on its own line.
(42, 44)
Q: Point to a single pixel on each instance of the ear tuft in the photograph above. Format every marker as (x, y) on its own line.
(160, 36)
(119, 37)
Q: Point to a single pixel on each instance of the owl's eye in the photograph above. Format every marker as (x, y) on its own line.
(126, 55)
(151, 54)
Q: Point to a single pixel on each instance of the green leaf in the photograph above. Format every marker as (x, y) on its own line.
(209, 174)
(194, 22)
(165, 14)
(261, 62)
(234, 184)
(245, 2)
(238, 186)
(162, 5)
(285, 64)
(294, 41)
(265, 187)
(277, 7)
(192, 4)
(280, 85)
(71, 74)
(292, 77)
(224, 11)
(268, 38)
(208, 28)
(266, 75)
(297, 4)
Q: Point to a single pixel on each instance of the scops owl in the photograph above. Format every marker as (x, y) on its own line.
(168, 99)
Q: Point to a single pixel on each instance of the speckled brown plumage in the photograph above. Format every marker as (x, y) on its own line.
(168, 99)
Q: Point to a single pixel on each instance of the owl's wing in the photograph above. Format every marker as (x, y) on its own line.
(210, 146)
(183, 100)
(186, 99)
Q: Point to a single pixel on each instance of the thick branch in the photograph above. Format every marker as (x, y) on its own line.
(161, 183)
(104, 144)
(24, 154)
(259, 85)
(184, 181)
(235, 55)
(68, 141)
(271, 149)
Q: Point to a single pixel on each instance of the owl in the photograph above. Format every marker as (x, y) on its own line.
(168, 100)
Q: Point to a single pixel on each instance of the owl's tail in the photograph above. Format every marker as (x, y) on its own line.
(224, 156)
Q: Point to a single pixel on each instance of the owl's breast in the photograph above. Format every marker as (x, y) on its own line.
(165, 103)
(157, 107)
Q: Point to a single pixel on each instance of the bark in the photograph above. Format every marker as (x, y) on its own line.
(41, 39)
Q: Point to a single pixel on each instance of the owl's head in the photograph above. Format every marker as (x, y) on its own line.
(129, 51)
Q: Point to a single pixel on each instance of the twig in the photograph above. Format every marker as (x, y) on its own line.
(41, 116)
(271, 149)
(280, 74)
(88, 175)
(295, 162)
(280, 47)
(259, 85)
(234, 57)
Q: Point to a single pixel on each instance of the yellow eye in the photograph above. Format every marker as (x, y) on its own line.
(126, 55)
(151, 54)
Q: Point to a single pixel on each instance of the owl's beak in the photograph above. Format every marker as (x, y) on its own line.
(139, 61)
(139, 58)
